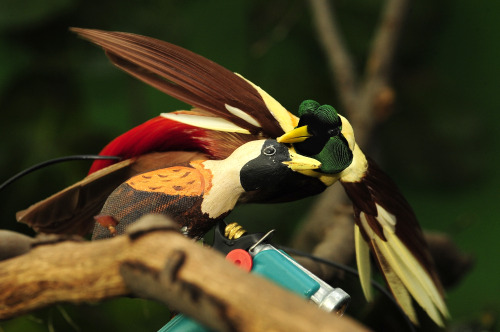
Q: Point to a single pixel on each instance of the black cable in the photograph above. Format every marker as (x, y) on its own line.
(354, 272)
(51, 162)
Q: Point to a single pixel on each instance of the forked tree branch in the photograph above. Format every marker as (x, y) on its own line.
(156, 262)
(383, 50)
(362, 99)
(339, 59)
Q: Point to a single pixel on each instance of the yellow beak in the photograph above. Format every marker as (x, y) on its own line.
(301, 163)
(295, 136)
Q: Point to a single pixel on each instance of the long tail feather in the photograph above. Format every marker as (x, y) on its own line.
(363, 263)
(413, 278)
(418, 278)
(395, 284)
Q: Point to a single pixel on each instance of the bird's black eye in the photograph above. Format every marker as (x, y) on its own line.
(269, 150)
(333, 132)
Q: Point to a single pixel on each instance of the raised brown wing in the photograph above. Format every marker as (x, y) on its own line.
(195, 80)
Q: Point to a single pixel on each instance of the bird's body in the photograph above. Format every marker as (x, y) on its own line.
(202, 192)
(230, 113)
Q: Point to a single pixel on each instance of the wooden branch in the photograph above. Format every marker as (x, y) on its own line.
(67, 271)
(338, 57)
(376, 95)
(383, 50)
(155, 262)
(362, 100)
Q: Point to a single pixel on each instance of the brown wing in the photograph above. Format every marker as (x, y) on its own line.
(387, 222)
(72, 209)
(376, 188)
(195, 80)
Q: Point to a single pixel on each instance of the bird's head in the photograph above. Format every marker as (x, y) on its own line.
(324, 135)
(268, 163)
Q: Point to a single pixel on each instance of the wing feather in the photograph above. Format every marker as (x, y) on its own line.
(395, 284)
(388, 223)
(195, 80)
(413, 277)
(206, 122)
(419, 279)
(71, 210)
(161, 134)
(363, 263)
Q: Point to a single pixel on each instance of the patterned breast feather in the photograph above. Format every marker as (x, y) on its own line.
(178, 190)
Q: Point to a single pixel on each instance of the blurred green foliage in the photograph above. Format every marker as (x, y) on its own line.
(59, 95)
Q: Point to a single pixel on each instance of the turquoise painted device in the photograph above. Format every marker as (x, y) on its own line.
(275, 265)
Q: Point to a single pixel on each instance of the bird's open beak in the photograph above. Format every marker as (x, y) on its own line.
(301, 163)
(295, 136)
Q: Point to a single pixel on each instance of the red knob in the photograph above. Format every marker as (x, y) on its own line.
(241, 258)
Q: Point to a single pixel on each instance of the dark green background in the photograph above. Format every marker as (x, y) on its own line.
(59, 96)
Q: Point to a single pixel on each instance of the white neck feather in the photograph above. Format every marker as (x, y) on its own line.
(226, 186)
(357, 169)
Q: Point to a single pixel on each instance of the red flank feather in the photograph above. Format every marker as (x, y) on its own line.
(156, 135)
